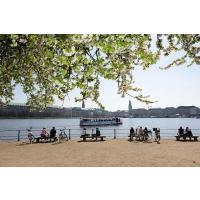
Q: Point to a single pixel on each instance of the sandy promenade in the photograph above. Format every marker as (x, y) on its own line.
(110, 153)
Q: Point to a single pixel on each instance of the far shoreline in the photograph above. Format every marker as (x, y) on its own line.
(39, 118)
(98, 117)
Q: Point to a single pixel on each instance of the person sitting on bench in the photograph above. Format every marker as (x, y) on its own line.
(84, 133)
(180, 131)
(188, 132)
(97, 134)
(44, 133)
(53, 133)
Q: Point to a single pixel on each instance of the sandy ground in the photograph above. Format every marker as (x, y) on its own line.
(110, 153)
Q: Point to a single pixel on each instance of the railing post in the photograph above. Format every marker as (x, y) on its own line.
(114, 133)
(69, 134)
(18, 136)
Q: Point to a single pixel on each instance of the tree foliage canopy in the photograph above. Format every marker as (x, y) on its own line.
(53, 65)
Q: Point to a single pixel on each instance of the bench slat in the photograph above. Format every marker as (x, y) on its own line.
(178, 137)
(92, 137)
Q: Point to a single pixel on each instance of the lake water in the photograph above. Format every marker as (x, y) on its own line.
(168, 126)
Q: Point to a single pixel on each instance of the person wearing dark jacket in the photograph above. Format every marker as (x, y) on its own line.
(180, 131)
(98, 133)
(53, 133)
(131, 133)
(188, 132)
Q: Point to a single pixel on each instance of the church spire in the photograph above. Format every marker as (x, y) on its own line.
(130, 107)
(83, 104)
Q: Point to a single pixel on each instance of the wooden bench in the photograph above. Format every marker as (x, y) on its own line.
(45, 139)
(134, 136)
(84, 137)
(178, 137)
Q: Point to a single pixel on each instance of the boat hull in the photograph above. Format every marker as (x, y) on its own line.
(100, 123)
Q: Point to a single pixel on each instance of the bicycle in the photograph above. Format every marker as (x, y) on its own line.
(62, 136)
(148, 136)
(134, 137)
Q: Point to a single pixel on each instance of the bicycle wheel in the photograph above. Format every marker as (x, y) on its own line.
(154, 137)
(65, 137)
(60, 137)
(135, 137)
(150, 137)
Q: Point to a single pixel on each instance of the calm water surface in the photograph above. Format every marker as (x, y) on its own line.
(168, 126)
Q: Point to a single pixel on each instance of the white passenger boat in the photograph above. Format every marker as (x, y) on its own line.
(100, 121)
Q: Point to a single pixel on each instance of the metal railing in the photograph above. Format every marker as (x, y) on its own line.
(112, 133)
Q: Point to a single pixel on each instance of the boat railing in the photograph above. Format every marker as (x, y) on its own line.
(74, 133)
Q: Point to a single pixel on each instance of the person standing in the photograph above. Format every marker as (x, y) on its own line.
(30, 136)
(141, 133)
(131, 133)
(145, 133)
(157, 132)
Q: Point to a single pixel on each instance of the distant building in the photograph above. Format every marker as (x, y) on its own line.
(187, 111)
(155, 112)
(21, 110)
(130, 109)
(120, 113)
(194, 110)
(83, 104)
(140, 112)
(169, 112)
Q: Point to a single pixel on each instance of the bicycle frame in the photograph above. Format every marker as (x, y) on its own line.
(62, 135)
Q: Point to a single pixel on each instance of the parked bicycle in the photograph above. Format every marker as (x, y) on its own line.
(148, 136)
(62, 136)
(144, 136)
